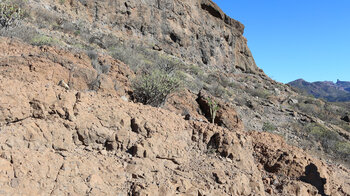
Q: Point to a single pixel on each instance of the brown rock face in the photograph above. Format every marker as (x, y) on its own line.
(196, 31)
(59, 140)
(196, 107)
(226, 114)
(287, 169)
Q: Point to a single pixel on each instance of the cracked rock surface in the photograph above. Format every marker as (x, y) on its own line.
(78, 141)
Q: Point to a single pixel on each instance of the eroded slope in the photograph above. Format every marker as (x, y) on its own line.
(58, 140)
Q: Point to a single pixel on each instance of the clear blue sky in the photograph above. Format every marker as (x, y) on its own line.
(292, 39)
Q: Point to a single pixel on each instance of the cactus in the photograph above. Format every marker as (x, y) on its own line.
(214, 107)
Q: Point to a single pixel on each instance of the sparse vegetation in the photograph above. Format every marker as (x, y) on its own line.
(345, 126)
(194, 70)
(216, 90)
(99, 67)
(321, 132)
(9, 13)
(326, 111)
(142, 57)
(331, 141)
(259, 92)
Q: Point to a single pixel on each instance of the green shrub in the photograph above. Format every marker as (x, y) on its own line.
(77, 32)
(267, 126)
(343, 147)
(41, 40)
(322, 133)
(153, 88)
(259, 92)
(9, 13)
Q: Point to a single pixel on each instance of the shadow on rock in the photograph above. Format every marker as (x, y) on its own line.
(312, 176)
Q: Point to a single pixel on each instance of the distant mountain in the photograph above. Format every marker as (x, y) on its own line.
(334, 92)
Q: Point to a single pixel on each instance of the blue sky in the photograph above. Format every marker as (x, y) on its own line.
(292, 39)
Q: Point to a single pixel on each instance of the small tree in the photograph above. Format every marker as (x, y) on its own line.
(214, 107)
(153, 88)
(9, 13)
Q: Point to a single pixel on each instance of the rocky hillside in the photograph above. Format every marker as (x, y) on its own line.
(71, 121)
(330, 91)
(195, 31)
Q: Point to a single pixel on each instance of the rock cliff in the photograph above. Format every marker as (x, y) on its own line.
(196, 31)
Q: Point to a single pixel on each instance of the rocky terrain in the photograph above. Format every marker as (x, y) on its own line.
(328, 90)
(69, 123)
(195, 31)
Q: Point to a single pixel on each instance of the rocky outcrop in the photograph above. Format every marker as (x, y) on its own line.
(196, 107)
(226, 115)
(196, 31)
(288, 170)
(56, 140)
(78, 70)
(346, 118)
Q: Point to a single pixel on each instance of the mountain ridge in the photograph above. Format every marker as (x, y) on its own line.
(339, 91)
